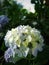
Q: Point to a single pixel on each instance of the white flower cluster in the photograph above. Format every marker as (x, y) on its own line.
(20, 41)
(26, 5)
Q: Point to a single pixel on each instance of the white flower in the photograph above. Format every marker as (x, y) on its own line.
(29, 7)
(26, 5)
(20, 40)
(22, 1)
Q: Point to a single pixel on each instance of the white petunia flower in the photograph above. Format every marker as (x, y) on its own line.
(26, 5)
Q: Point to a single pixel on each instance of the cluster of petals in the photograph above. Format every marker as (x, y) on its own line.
(20, 41)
